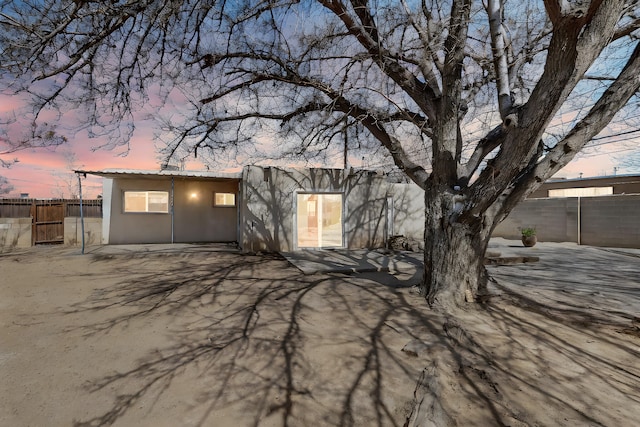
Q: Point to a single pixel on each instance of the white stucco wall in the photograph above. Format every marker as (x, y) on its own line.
(107, 194)
(408, 210)
(268, 210)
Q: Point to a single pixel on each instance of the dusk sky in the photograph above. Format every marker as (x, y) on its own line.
(45, 172)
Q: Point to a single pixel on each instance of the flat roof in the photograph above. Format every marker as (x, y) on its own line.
(594, 178)
(165, 173)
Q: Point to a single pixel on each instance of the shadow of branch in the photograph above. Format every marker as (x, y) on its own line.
(261, 340)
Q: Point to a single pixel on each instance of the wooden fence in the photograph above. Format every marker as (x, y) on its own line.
(24, 208)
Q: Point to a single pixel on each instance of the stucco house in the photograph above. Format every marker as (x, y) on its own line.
(260, 208)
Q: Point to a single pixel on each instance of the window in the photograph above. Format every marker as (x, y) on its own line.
(146, 201)
(581, 192)
(319, 220)
(224, 199)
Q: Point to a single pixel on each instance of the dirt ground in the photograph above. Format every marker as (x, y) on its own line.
(202, 336)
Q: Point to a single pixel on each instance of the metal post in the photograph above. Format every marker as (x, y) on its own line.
(172, 203)
(579, 225)
(81, 210)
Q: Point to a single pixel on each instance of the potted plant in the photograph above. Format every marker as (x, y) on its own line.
(528, 236)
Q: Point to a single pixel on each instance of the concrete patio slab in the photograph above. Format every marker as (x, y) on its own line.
(502, 252)
(353, 261)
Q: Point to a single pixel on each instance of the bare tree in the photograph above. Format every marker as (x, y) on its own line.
(5, 186)
(628, 159)
(39, 136)
(66, 182)
(415, 77)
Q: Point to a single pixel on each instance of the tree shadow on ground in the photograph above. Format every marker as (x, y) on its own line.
(261, 342)
(559, 343)
(252, 341)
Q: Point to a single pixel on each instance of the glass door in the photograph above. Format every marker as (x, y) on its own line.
(319, 220)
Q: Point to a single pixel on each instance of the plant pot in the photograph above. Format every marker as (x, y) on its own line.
(529, 241)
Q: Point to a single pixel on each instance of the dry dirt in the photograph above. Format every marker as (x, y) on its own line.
(196, 336)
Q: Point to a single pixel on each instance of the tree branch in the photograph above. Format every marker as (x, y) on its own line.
(366, 35)
(485, 146)
(447, 144)
(498, 44)
(554, 10)
(598, 117)
(627, 29)
(429, 61)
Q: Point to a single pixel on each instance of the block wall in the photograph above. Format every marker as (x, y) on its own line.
(610, 221)
(73, 231)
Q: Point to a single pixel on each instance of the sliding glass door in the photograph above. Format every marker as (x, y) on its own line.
(319, 220)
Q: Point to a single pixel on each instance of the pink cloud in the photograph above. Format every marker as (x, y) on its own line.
(42, 172)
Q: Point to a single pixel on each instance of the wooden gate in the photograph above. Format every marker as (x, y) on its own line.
(48, 223)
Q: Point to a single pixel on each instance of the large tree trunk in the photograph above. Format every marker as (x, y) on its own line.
(454, 253)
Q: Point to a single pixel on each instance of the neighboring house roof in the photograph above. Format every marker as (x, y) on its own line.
(621, 178)
(124, 173)
(621, 184)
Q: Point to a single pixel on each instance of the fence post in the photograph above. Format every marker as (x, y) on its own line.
(34, 211)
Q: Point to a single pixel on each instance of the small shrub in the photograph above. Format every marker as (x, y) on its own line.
(528, 231)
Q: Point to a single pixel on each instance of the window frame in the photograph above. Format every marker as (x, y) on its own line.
(595, 191)
(147, 204)
(343, 207)
(235, 199)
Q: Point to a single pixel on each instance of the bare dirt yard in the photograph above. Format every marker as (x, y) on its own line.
(202, 336)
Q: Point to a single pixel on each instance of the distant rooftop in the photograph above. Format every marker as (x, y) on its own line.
(589, 178)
